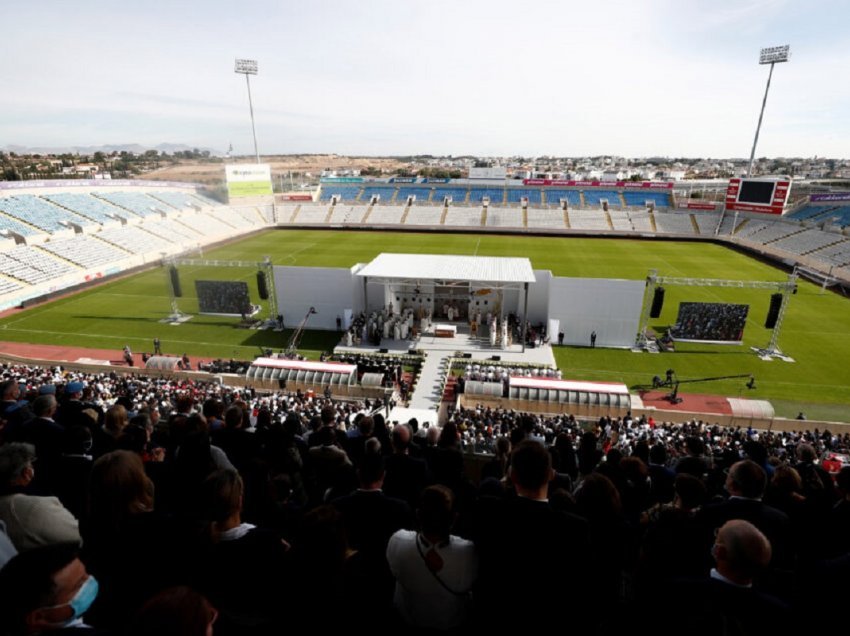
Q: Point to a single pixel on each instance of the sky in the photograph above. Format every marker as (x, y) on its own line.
(487, 78)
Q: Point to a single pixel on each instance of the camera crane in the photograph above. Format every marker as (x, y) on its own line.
(295, 340)
(673, 382)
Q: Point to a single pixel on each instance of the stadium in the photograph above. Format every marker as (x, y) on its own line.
(393, 402)
(100, 233)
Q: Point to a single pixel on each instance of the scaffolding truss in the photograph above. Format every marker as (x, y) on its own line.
(653, 281)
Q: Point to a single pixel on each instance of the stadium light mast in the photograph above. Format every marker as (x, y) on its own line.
(248, 68)
(773, 55)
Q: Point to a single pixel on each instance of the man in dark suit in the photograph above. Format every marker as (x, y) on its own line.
(532, 558)
(13, 409)
(47, 437)
(72, 407)
(661, 477)
(745, 484)
(727, 601)
(370, 518)
(406, 476)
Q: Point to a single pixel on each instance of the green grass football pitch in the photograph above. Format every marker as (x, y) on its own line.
(815, 331)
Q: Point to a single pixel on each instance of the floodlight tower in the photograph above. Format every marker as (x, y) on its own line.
(772, 55)
(248, 68)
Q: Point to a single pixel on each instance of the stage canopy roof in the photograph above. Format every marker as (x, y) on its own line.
(484, 269)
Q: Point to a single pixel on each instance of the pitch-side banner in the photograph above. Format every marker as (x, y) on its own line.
(248, 180)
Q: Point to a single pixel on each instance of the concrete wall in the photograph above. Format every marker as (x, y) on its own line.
(331, 290)
(608, 306)
(538, 297)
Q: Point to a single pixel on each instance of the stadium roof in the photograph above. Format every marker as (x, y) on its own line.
(485, 269)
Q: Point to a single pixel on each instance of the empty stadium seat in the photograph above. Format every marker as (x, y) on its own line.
(534, 197)
(639, 198)
(42, 214)
(345, 193)
(554, 196)
(138, 203)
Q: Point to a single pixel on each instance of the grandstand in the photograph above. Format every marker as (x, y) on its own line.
(347, 214)
(504, 217)
(495, 195)
(135, 240)
(38, 212)
(344, 193)
(385, 195)
(127, 223)
(391, 215)
(423, 195)
(594, 220)
(674, 223)
(554, 196)
(177, 200)
(544, 218)
(312, 214)
(425, 215)
(205, 224)
(535, 197)
(86, 206)
(640, 199)
(13, 225)
(458, 195)
(31, 265)
(620, 221)
(86, 251)
(463, 217)
(593, 198)
(66, 235)
(138, 203)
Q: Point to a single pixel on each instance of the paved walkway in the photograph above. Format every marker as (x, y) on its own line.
(429, 389)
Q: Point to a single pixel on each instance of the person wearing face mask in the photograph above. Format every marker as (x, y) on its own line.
(46, 590)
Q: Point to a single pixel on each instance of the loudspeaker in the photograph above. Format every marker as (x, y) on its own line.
(411, 352)
(466, 355)
(281, 383)
(261, 285)
(175, 282)
(657, 303)
(383, 351)
(496, 358)
(773, 312)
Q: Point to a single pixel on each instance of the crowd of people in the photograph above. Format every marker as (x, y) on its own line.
(723, 322)
(223, 297)
(159, 506)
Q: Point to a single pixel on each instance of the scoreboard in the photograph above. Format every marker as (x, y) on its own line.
(767, 195)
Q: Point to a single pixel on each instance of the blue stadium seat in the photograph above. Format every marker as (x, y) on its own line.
(421, 194)
(811, 211)
(553, 197)
(534, 196)
(458, 195)
(594, 198)
(640, 197)
(345, 193)
(496, 195)
(85, 205)
(136, 202)
(386, 194)
(38, 212)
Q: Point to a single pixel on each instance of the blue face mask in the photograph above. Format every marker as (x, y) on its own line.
(82, 600)
(84, 597)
